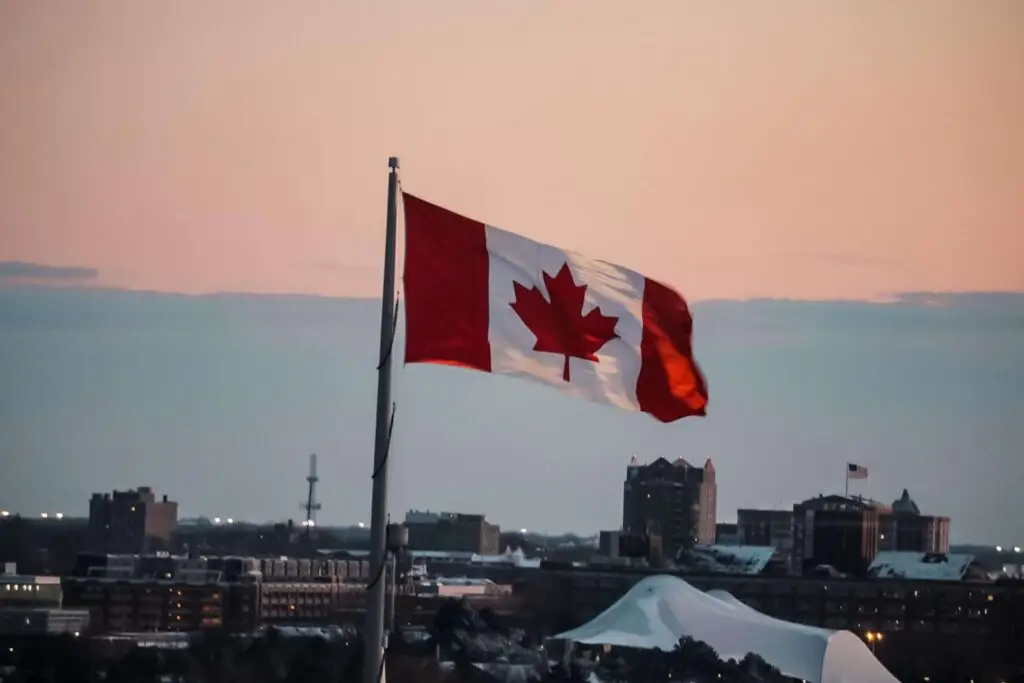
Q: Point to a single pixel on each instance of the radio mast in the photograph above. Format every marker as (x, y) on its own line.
(311, 505)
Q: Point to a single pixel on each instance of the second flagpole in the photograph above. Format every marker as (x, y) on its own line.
(374, 643)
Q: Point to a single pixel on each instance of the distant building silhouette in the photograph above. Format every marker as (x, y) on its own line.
(673, 500)
(452, 532)
(903, 528)
(837, 532)
(833, 529)
(618, 545)
(132, 521)
(727, 533)
(158, 593)
(766, 528)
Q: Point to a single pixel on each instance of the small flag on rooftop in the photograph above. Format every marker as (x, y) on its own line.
(856, 471)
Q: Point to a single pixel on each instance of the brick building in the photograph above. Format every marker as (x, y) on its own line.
(903, 528)
(452, 532)
(132, 593)
(132, 521)
(837, 532)
(674, 500)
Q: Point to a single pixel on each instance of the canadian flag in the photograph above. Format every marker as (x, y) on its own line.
(482, 298)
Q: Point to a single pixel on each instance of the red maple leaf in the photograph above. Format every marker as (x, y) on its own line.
(559, 324)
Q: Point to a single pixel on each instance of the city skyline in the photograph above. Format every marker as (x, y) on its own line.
(218, 401)
(735, 289)
(834, 187)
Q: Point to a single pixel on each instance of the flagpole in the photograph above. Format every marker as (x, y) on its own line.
(373, 653)
(847, 481)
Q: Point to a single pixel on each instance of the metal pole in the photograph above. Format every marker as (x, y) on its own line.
(374, 636)
(392, 588)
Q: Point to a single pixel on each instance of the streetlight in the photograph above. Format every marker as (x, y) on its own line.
(999, 548)
(1016, 548)
(60, 515)
(230, 521)
(216, 520)
(5, 513)
(873, 637)
(43, 515)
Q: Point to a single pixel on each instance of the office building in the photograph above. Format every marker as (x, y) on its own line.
(31, 606)
(29, 591)
(834, 533)
(673, 500)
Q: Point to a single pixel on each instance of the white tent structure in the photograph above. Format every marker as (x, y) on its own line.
(659, 610)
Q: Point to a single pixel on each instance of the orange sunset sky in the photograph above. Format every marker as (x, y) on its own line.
(806, 149)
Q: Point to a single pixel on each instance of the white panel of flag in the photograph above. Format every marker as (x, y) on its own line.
(856, 471)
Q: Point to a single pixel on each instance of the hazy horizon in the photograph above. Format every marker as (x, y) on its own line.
(218, 400)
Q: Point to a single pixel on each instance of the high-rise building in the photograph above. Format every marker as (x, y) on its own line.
(902, 527)
(132, 521)
(836, 532)
(674, 500)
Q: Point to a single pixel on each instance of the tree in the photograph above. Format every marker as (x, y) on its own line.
(690, 660)
(139, 665)
(213, 657)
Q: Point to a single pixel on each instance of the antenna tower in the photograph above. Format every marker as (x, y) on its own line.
(311, 505)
